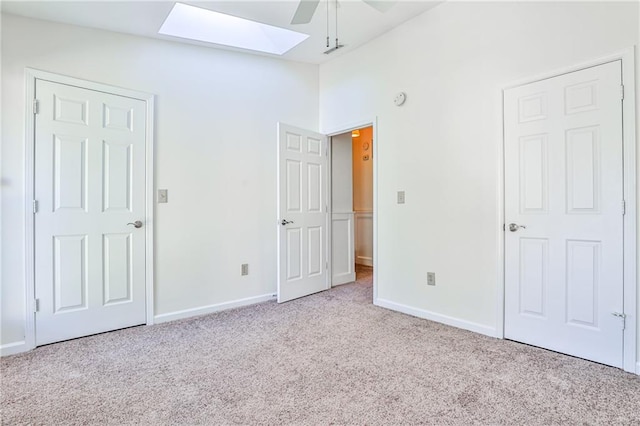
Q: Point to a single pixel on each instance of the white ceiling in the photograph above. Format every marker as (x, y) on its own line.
(357, 22)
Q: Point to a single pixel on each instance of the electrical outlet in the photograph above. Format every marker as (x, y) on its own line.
(431, 278)
(163, 196)
(400, 197)
(244, 270)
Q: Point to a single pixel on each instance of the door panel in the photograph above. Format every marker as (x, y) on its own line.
(563, 183)
(70, 273)
(302, 204)
(117, 262)
(118, 165)
(89, 183)
(534, 264)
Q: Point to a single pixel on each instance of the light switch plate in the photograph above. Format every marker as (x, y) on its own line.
(400, 197)
(163, 196)
(431, 278)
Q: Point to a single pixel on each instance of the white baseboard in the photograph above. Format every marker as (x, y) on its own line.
(203, 310)
(343, 279)
(421, 313)
(14, 348)
(366, 261)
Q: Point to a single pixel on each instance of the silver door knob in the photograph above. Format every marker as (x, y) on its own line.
(513, 227)
(137, 224)
(285, 222)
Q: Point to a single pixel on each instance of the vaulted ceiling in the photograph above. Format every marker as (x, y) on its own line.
(357, 22)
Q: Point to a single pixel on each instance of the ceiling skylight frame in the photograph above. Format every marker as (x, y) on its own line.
(195, 23)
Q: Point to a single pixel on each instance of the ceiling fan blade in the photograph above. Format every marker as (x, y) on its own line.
(305, 11)
(381, 5)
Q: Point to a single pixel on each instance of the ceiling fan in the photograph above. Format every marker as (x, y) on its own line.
(307, 8)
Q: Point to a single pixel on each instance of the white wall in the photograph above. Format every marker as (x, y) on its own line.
(442, 146)
(363, 171)
(216, 115)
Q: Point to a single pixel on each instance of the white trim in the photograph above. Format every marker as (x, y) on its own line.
(627, 56)
(432, 316)
(204, 310)
(14, 348)
(364, 261)
(328, 202)
(31, 75)
(623, 54)
(29, 221)
(375, 151)
(349, 127)
(638, 368)
(150, 225)
(500, 266)
(631, 216)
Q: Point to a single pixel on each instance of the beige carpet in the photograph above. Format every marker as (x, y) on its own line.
(331, 358)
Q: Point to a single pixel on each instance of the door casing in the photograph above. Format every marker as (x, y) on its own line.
(31, 75)
(627, 56)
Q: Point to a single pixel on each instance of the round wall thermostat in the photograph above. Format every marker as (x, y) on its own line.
(400, 98)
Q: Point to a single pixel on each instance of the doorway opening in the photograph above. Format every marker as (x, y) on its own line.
(352, 207)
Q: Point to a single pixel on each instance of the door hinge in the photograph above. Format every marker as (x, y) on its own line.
(326, 266)
(35, 206)
(504, 227)
(621, 316)
(36, 305)
(621, 91)
(624, 207)
(36, 106)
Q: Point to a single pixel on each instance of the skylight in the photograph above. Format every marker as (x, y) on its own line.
(195, 23)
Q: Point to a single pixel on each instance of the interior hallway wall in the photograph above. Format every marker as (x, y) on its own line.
(363, 171)
(362, 146)
(215, 152)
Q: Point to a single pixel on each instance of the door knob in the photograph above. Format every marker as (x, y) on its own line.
(285, 222)
(513, 227)
(137, 224)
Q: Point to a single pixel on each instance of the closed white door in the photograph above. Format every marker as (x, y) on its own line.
(564, 214)
(90, 188)
(302, 213)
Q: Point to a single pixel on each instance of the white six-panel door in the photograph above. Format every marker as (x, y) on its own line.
(302, 213)
(89, 185)
(563, 195)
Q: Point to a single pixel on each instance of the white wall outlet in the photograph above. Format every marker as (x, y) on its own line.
(244, 269)
(431, 278)
(400, 197)
(163, 196)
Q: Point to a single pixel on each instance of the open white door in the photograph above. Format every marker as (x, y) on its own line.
(564, 211)
(302, 213)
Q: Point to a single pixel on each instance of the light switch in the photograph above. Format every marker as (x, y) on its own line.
(431, 278)
(163, 196)
(400, 197)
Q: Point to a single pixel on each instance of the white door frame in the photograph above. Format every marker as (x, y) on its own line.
(338, 131)
(31, 75)
(630, 290)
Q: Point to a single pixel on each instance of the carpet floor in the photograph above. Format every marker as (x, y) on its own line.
(330, 358)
